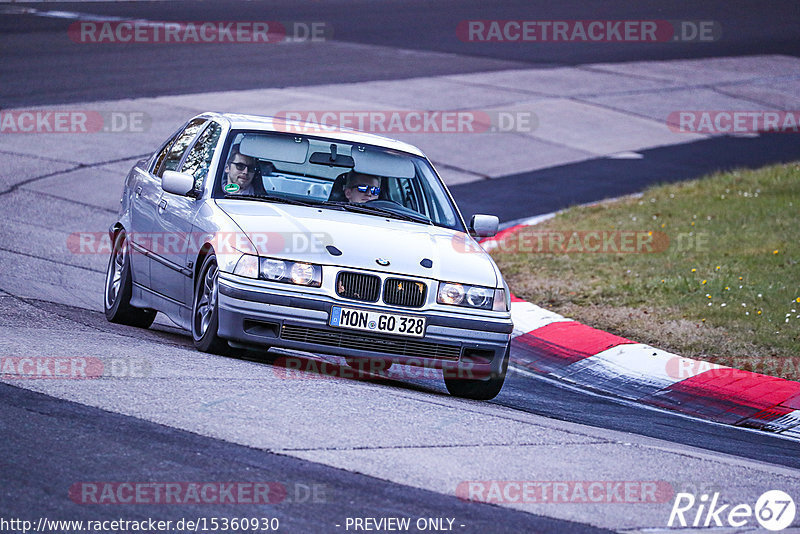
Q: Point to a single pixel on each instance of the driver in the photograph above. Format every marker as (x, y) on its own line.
(240, 170)
(360, 188)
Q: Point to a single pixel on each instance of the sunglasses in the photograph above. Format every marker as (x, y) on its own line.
(368, 189)
(242, 166)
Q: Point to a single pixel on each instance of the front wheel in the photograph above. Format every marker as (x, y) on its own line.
(475, 388)
(205, 312)
(119, 287)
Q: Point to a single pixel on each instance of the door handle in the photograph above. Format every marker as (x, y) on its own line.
(138, 191)
(162, 205)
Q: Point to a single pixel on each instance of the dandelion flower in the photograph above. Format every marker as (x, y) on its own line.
(759, 312)
(695, 270)
(703, 282)
(775, 251)
(719, 267)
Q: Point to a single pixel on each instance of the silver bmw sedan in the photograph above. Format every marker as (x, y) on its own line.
(265, 232)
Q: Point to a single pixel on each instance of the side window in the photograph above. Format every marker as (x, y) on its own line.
(175, 153)
(199, 158)
(163, 154)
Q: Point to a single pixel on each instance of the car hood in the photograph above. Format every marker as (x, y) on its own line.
(302, 234)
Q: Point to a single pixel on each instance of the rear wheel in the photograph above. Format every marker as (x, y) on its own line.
(476, 388)
(119, 287)
(205, 312)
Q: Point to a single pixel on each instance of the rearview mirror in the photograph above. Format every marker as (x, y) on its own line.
(332, 158)
(177, 183)
(324, 158)
(484, 225)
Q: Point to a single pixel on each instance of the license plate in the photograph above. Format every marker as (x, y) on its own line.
(372, 321)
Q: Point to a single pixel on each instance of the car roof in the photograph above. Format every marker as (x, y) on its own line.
(282, 125)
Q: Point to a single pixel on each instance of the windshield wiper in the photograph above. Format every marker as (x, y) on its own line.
(361, 208)
(276, 198)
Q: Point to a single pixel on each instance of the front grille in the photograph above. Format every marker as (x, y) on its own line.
(407, 293)
(370, 342)
(358, 286)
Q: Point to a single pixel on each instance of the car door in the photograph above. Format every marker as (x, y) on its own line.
(176, 214)
(145, 194)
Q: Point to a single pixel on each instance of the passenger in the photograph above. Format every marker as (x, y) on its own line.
(360, 188)
(240, 170)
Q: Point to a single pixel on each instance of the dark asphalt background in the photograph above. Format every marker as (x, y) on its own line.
(40, 65)
(50, 445)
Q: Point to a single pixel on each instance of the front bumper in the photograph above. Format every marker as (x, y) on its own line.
(273, 317)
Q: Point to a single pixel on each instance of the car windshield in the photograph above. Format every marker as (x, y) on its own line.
(333, 174)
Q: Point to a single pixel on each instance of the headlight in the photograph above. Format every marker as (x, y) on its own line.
(247, 266)
(302, 274)
(273, 269)
(290, 272)
(478, 297)
(450, 294)
(464, 295)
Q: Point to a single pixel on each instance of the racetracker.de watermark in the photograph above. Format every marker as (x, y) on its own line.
(408, 121)
(72, 367)
(179, 243)
(295, 368)
(73, 122)
(208, 492)
(566, 491)
(199, 32)
(588, 31)
(527, 241)
(733, 121)
(740, 367)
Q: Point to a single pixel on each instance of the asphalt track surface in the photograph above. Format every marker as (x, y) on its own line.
(38, 64)
(316, 498)
(49, 443)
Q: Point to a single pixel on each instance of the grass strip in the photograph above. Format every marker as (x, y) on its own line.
(706, 268)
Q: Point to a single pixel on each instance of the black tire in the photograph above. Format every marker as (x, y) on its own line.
(368, 365)
(475, 388)
(119, 287)
(205, 312)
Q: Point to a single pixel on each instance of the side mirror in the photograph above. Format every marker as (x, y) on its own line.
(177, 183)
(484, 225)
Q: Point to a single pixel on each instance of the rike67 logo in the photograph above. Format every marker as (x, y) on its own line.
(774, 510)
